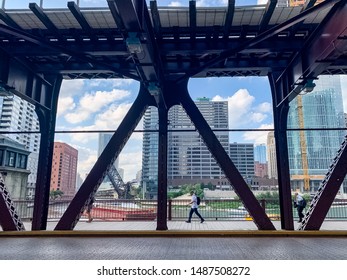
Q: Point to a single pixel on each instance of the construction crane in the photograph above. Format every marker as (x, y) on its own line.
(303, 145)
(121, 188)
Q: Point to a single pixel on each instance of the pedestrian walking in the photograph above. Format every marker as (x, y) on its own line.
(194, 208)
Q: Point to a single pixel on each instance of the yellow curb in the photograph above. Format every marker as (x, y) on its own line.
(175, 233)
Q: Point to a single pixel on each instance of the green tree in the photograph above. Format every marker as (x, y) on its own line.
(54, 194)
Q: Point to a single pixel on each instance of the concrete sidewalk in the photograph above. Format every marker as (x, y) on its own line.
(181, 227)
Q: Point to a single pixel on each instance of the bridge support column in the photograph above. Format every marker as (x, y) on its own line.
(280, 112)
(47, 119)
(162, 167)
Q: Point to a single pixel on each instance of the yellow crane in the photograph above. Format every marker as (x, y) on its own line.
(303, 145)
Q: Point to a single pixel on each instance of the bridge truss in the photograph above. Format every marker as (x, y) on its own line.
(163, 48)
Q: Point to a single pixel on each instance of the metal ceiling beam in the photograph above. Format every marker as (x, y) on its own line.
(263, 36)
(8, 20)
(229, 18)
(308, 4)
(192, 18)
(323, 46)
(156, 18)
(39, 13)
(137, 22)
(75, 10)
(59, 49)
(270, 8)
(168, 48)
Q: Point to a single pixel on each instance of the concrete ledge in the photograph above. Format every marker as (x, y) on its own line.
(175, 233)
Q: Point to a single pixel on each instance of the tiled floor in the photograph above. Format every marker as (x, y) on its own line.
(181, 225)
(194, 246)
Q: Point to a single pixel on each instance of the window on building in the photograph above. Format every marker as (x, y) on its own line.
(22, 161)
(10, 159)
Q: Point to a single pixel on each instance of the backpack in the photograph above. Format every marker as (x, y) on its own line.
(198, 200)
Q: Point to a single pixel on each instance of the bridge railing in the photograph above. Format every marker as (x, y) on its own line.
(131, 210)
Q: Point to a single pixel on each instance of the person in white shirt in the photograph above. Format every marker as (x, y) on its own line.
(194, 208)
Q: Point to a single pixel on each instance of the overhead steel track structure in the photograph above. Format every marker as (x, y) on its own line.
(162, 48)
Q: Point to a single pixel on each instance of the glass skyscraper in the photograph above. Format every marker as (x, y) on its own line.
(260, 153)
(189, 160)
(311, 151)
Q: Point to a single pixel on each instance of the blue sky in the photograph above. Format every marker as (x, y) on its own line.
(101, 104)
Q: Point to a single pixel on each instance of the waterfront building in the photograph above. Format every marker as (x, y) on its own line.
(64, 169)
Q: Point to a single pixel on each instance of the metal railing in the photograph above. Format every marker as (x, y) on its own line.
(129, 209)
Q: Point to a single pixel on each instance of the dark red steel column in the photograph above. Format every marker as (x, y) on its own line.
(105, 160)
(280, 114)
(162, 168)
(240, 186)
(47, 120)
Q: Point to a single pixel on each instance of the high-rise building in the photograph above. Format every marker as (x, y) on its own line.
(242, 155)
(19, 115)
(150, 153)
(260, 153)
(271, 155)
(104, 138)
(311, 151)
(189, 160)
(64, 169)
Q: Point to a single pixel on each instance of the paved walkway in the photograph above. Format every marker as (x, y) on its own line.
(101, 225)
(212, 240)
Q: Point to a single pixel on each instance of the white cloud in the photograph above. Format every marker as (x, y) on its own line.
(262, 2)
(257, 117)
(85, 165)
(131, 163)
(110, 83)
(65, 104)
(92, 103)
(264, 107)
(243, 111)
(108, 120)
(111, 118)
(71, 87)
(175, 4)
(239, 106)
(83, 138)
(258, 137)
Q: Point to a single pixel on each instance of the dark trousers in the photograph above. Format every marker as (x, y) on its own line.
(194, 210)
(301, 215)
